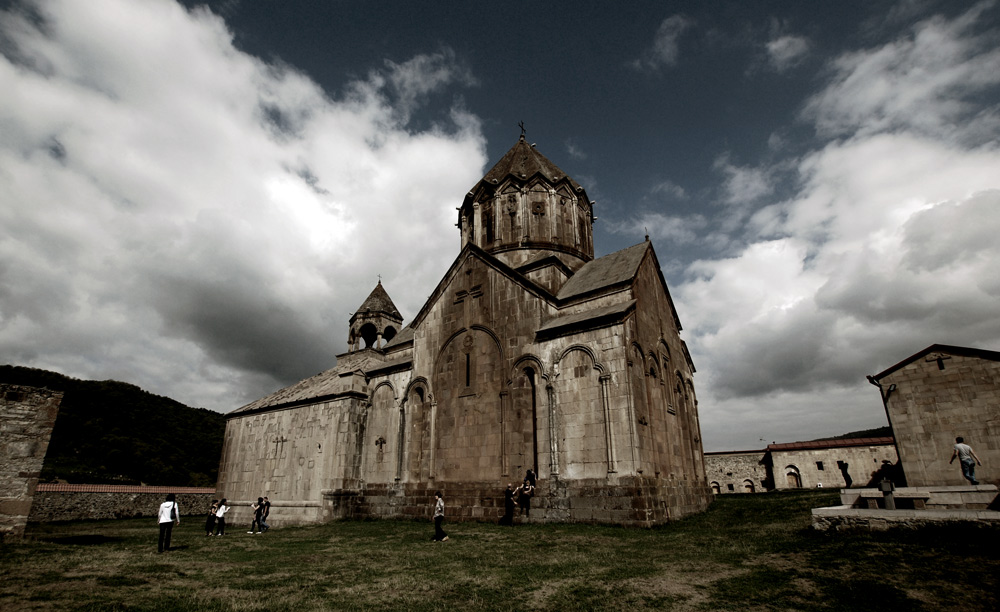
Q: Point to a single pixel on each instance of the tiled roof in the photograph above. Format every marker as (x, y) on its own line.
(585, 319)
(323, 384)
(103, 488)
(820, 444)
(620, 266)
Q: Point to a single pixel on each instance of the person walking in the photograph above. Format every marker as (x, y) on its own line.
(439, 534)
(210, 519)
(258, 508)
(220, 518)
(265, 513)
(967, 458)
(167, 515)
(508, 506)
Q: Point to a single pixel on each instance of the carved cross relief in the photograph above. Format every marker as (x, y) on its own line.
(939, 358)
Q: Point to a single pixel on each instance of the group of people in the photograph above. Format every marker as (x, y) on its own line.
(215, 521)
(519, 497)
(169, 514)
(261, 509)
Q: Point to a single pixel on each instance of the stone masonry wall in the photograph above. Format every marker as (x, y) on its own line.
(731, 472)
(818, 468)
(937, 398)
(60, 502)
(27, 416)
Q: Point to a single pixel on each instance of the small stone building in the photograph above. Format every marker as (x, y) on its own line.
(795, 465)
(737, 471)
(828, 463)
(936, 395)
(27, 416)
(528, 355)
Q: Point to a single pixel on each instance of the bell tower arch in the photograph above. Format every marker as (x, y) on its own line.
(375, 323)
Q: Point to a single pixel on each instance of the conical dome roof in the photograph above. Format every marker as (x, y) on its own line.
(378, 302)
(522, 163)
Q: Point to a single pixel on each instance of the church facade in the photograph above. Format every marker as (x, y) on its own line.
(528, 355)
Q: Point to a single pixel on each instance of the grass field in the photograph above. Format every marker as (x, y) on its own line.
(746, 553)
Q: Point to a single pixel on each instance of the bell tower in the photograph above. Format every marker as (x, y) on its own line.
(526, 209)
(375, 323)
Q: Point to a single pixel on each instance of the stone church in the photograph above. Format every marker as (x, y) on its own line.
(528, 355)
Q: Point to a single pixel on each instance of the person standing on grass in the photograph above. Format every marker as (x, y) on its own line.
(167, 515)
(439, 534)
(257, 508)
(265, 513)
(508, 506)
(967, 457)
(210, 519)
(220, 518)
(523, 494)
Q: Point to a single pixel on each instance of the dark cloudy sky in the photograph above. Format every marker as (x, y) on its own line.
(194, 197)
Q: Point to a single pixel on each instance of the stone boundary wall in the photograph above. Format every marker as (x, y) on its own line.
(27, 416)
(62, 502)
(843, 518)
(629, 501)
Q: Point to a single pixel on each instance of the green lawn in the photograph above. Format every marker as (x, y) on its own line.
(746, 553)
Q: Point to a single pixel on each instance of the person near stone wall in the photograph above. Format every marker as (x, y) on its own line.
(967, 458)
(265, 513)
(508, 506)
(439, 534)
(258, 509)
(523, 495)
(220, 518)
(210, 519)
(168, 514)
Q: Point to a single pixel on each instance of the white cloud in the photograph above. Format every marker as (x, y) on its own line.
(744, 185)
(924, 82)
(786, 51)
(574, 150)
(177, 213)
(887, 246)
(665, 49)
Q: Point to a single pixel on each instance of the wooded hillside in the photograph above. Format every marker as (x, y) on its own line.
(110, 432)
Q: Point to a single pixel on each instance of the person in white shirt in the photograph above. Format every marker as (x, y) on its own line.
(220, 518)
(167, 515)
(967, 457)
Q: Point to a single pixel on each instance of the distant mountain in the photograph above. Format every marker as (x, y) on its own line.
(110, 432)
(878, 432)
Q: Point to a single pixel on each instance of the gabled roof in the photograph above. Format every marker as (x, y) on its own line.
(588, 319)
(612, 269)
(378, 301)
(961, 351)
(471, 250)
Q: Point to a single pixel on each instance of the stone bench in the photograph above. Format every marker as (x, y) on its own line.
(916, 500)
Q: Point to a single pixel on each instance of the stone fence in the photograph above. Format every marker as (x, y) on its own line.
(74, 502)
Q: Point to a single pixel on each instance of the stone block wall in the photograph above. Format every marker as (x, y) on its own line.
(938, 396)
(630, 501)
(73, 502)
(27, 416)
(736, 472)
(820, 467)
